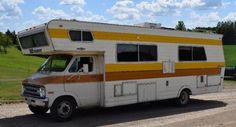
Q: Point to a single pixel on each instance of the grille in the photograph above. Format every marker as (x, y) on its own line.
(31, 91)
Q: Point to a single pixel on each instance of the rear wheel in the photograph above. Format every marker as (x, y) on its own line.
(38, 110)
(63, 109)
(183, 98)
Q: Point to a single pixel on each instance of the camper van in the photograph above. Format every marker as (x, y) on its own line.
(98, 64)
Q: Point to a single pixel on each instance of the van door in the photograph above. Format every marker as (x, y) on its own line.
(84, 78)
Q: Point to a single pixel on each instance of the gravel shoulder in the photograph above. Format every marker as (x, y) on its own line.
(209, 110)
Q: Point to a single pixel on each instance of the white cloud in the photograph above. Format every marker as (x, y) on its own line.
(89, 16)
(161, 7)
(48, 13)
(230, 17)
(191, 3)
(76, 5)
(10, 9)
(204, 20)
(224, 4)
(211, 4)
(124, 10)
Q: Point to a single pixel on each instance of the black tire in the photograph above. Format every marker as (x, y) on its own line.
(38, 110)
(63, 109)
(183, 98)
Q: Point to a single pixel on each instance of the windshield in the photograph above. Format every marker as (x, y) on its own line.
(56, 63)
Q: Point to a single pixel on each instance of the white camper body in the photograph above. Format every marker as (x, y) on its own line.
(97, 64)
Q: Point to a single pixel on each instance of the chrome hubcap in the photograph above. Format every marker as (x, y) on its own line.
(64, 109)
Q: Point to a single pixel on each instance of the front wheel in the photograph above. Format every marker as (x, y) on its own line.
(38, 110)
(183, 98)
(62, 109)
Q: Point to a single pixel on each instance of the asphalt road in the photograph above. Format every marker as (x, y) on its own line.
(210, 110)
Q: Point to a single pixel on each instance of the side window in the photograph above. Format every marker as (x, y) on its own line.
(82, 64)
(127, 52)
(147, 53)
(87, 36)
(199, 54)
(190, 53)
(77, 35)
(185, 53)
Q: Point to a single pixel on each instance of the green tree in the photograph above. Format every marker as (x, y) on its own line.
(228, 29)
(180, 26)
(12, 36)
(5, 42)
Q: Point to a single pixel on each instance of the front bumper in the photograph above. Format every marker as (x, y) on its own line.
(36, 101)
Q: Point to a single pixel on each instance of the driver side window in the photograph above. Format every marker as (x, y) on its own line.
(82, 64)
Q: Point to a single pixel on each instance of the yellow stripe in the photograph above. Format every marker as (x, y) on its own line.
(153, 38)
(158, 66)
(98, 35)
(58, 33)
(192, 65)
(133, 67)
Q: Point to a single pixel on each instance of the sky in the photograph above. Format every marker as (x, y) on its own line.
(21, 14)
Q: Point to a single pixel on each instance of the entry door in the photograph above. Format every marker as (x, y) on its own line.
(84, 78)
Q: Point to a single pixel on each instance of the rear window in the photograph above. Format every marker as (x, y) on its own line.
(34, 40)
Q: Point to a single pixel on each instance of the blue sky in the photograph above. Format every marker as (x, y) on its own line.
(20, 14)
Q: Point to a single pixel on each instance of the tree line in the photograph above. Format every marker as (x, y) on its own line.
(227, 29)
(7, 39)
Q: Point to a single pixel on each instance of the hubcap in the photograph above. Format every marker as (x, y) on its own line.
(64, 109)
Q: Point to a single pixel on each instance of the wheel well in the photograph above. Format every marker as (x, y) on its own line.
(67, 96)
(188, 90)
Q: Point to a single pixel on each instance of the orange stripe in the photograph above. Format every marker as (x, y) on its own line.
(63, 79)
(114, 76)
(85, 78)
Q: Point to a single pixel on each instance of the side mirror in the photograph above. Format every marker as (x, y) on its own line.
(85, 68)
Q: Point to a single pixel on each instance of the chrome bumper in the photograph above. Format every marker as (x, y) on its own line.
(36, 101)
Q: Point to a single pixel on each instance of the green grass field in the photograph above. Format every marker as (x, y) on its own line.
(230, 55)
(13, 68)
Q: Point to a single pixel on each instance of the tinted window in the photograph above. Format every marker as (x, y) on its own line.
(147, 53)
(199, 54)
(185, 53)
(79, 63)
(127, 52)
(34, 40)
(87, 36)
(75, 35)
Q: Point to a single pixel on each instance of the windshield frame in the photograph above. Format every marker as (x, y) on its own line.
(43, 69)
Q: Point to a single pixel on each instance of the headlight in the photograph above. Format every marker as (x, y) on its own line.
(22, 89)
(42, 92)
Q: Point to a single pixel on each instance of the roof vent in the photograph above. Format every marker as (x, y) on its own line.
(149, 25)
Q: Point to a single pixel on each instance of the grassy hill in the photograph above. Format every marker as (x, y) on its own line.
(13, 68)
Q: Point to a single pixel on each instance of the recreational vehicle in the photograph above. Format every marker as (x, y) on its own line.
(99, 64)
